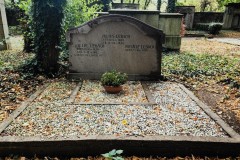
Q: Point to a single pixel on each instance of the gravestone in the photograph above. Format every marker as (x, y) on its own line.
(231, 19)
(188, 12)
(125, 6)
(4, 33)
(115, 42)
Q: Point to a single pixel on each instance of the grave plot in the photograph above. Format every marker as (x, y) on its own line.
(173, 112)
(45, 105)
(166, 116)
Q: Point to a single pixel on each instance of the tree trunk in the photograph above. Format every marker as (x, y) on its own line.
(47, 18)
(171, 6)
(105, 5)
(146, 4)
(159, 3)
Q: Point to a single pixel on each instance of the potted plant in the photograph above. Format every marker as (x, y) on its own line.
(113, 80)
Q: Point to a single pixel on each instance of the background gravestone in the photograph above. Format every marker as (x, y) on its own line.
(188, 12)
(115, 42)
(125, 6)
(231, 18)
(4, 33)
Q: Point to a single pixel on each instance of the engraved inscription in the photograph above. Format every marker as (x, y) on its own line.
(89, 50)
(107, 40)
(115, 39)
(115, 42)
(138, 48)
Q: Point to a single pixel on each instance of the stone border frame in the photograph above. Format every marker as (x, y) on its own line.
(139, 146)
(71, 100)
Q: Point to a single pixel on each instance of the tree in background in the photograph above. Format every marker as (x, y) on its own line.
(144, 4)
(77, 12)
(47, 20)
(207, 5)
(204, 5)
(106, 5)
(26, 24)
(222, 3)
(159, 3)
(171, 6)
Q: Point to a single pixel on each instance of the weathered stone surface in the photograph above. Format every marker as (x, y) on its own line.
(149, 17)
(125, 6)
(115, 42)
(170, 24)
(4, 33)
(188, 12)
(231, 19)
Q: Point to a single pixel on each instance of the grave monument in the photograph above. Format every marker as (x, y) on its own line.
(231, 19)
(4, 32)
(115, 42)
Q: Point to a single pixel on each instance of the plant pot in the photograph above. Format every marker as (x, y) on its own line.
(113, 89)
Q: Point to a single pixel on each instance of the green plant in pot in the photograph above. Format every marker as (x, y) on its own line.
(112, 81)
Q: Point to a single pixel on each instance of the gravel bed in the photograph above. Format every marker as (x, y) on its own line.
(175, 115)
(93, 92)
(56, 91)
(182, 112)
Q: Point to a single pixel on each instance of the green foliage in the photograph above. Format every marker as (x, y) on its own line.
(77, 12)
(47, 26)
(191, 65)
(15, 30)
(171, 6)
(214, 28)
(25, 6)
(113, 78)
(13, 59)
(114, 155)
(106, 5)
(222, 3)
(159, 3)
(202, 65)
(202, 26)
(208, 5)
(26, 24)
(179, 3)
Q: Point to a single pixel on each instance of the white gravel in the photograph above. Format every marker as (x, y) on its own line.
(175, 114)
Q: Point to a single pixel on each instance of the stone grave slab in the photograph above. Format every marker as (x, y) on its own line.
(115, 42)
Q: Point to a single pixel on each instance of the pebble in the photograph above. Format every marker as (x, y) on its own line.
(175, 114)
(93, 92)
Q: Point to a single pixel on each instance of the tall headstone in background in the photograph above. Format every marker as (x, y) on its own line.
(4, 33)
(188, 12)
(115, 42)
(231, 19)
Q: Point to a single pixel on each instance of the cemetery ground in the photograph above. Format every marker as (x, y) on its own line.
(208, 68)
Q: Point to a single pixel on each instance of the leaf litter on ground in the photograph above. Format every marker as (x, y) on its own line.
(212, 68)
